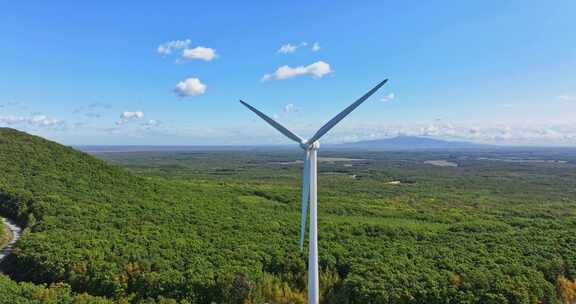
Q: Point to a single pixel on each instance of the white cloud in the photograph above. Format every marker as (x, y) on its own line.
(291, 48)
(167, 47)
(151, 123)
(519, 134)
(290, 108)
(199, 52)
(190, 87)
(317, 70)
(12, 120)
(389, 97)
(567, 98)
(316, 47)
(43, 121)
(36, 120)
(132, 115)
(349, 131)
(287, 48)
(129, 116)
(438, 128)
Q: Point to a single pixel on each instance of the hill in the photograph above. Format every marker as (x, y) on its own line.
(169, 234)
(106, 231)
(409, 143)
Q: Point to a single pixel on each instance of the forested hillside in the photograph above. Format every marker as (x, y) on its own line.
(202, 233)
(27, 293)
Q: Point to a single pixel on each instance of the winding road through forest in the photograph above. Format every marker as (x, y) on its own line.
(15, 231)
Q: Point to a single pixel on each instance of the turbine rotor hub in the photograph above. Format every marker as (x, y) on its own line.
(305, 145)
(314, 146)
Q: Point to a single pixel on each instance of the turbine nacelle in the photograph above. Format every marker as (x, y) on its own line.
(307, 146)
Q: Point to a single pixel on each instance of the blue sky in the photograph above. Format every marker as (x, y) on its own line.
(93, 73)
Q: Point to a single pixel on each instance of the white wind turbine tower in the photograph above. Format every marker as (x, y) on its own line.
(309, 185)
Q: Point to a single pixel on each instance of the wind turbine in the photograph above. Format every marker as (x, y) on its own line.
(309, 184)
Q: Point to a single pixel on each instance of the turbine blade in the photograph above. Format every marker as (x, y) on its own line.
(274, 124)
(305, 197)
(330, 124)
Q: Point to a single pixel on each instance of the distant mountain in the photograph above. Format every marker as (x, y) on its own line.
(410, 143)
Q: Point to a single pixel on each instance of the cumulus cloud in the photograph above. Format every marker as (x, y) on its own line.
(389, 97)
(190, 87)
(187, 52)
(567, 98)
(438, 128)
(132, 115)
(129, 116)
(316, 47)
(317, 70)
(168, 47)
(199, 52)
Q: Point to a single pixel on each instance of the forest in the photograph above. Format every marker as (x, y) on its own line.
(494, 226)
